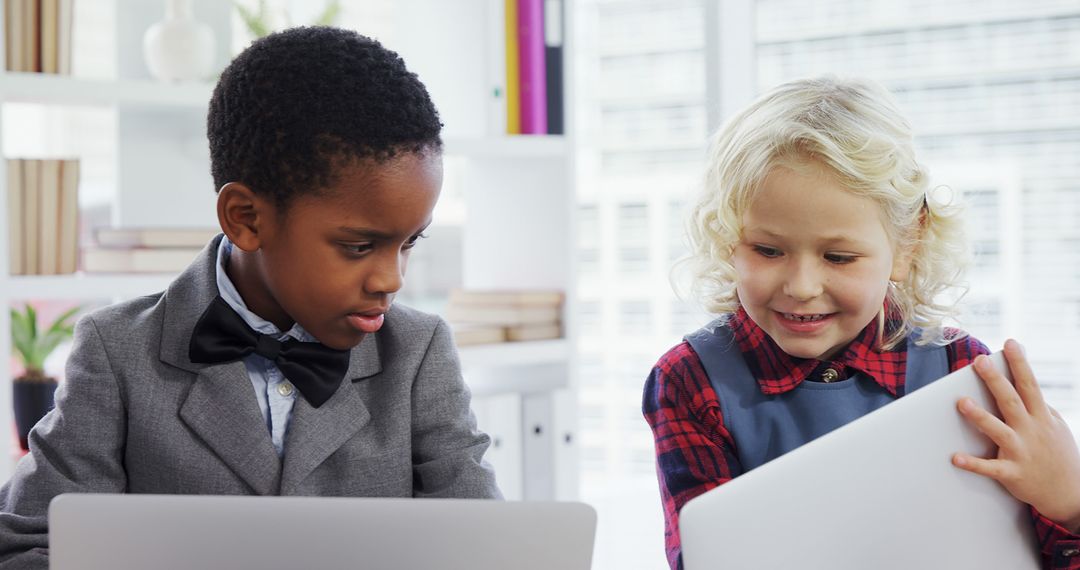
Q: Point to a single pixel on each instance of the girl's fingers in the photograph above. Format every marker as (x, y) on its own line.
(1024, 379)
(1005, 395)
(989, 424)
(993, 468)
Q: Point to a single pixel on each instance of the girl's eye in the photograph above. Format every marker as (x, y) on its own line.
(839, 259)
(767, 251)
(412, 241)
(357, 248)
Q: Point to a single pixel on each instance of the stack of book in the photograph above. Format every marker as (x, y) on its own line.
(43, 216)
(37, 35)
(145, 250)
(528, 87)
(484, 317)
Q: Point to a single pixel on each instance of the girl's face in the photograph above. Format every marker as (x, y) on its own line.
(814, 262)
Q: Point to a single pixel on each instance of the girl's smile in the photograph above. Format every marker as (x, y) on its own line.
(814, 262)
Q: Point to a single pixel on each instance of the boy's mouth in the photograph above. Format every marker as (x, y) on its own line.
(368, 323)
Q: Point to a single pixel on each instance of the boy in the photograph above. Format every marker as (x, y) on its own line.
(275, 364)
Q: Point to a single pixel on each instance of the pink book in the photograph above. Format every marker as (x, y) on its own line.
(532, 67)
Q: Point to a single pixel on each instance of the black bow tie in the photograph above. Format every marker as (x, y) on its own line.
(221, 335)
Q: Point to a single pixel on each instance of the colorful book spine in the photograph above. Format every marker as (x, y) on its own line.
(513, 98)
(553, 60)
(531, 66)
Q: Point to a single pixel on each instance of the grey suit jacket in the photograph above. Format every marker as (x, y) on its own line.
(135, 415)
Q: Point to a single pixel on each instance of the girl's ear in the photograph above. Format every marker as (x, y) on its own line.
(243, 214)
(902, 264)
(904, 258)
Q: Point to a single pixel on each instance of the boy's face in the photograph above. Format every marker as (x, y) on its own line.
(335, 260)
(814, 262)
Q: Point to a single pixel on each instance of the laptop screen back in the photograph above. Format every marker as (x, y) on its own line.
(879, 493)
(135, 532)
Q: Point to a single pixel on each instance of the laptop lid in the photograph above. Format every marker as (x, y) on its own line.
(879, 493)
(136, 532)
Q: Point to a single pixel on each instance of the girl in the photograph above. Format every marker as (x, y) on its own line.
(818, 244)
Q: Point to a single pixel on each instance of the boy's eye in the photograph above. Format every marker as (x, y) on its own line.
(767, 251)
(838, 258)
(412, 241)
(357, 248)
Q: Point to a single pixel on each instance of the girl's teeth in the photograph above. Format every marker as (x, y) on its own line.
(804, 318)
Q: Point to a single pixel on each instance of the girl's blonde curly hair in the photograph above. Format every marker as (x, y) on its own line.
(854, 130)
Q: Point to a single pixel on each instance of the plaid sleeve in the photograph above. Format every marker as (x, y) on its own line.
(1060, 548)
(962, 351)
(694, 451)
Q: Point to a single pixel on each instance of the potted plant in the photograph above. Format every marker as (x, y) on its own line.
(33, 390)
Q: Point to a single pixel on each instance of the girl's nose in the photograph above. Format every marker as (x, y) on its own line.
(803, 282)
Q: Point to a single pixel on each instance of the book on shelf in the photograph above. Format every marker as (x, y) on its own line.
(533, 332)
(553, 65)
(511, 297)
(16, 265)
(31, 190)
(474, 334)
(154, 237)
(506, 315)
(138, 260)
(531, 67)
(13, 35)
(69, 216)
(49, 215)
(513, 79)
(42, 215)
(38, 35)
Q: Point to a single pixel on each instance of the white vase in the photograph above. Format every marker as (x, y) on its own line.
(179, 48)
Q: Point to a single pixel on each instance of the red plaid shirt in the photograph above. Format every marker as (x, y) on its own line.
(695, 452)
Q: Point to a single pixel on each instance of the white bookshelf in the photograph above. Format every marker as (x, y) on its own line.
(518, 193)
(63, 90)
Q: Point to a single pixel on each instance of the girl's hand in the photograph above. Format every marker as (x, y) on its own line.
(1037, 459)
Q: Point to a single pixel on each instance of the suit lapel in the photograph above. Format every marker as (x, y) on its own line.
(221, 406)
(316, 433)
(222, 410)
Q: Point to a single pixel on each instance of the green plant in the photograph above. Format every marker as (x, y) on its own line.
(258, 20)
(34, 345)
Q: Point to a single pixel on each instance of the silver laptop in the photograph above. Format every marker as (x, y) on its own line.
(877, 493)
(164, 532)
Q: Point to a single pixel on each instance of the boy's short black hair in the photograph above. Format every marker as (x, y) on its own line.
(296, 105)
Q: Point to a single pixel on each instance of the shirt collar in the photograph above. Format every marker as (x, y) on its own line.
(778, 372)
(231, 295)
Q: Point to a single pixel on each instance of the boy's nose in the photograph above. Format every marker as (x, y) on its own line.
(388, 275)
(803, 282)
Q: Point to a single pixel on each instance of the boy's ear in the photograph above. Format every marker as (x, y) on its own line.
(242, 214)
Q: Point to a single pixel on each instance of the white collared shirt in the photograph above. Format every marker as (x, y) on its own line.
(275, 394)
